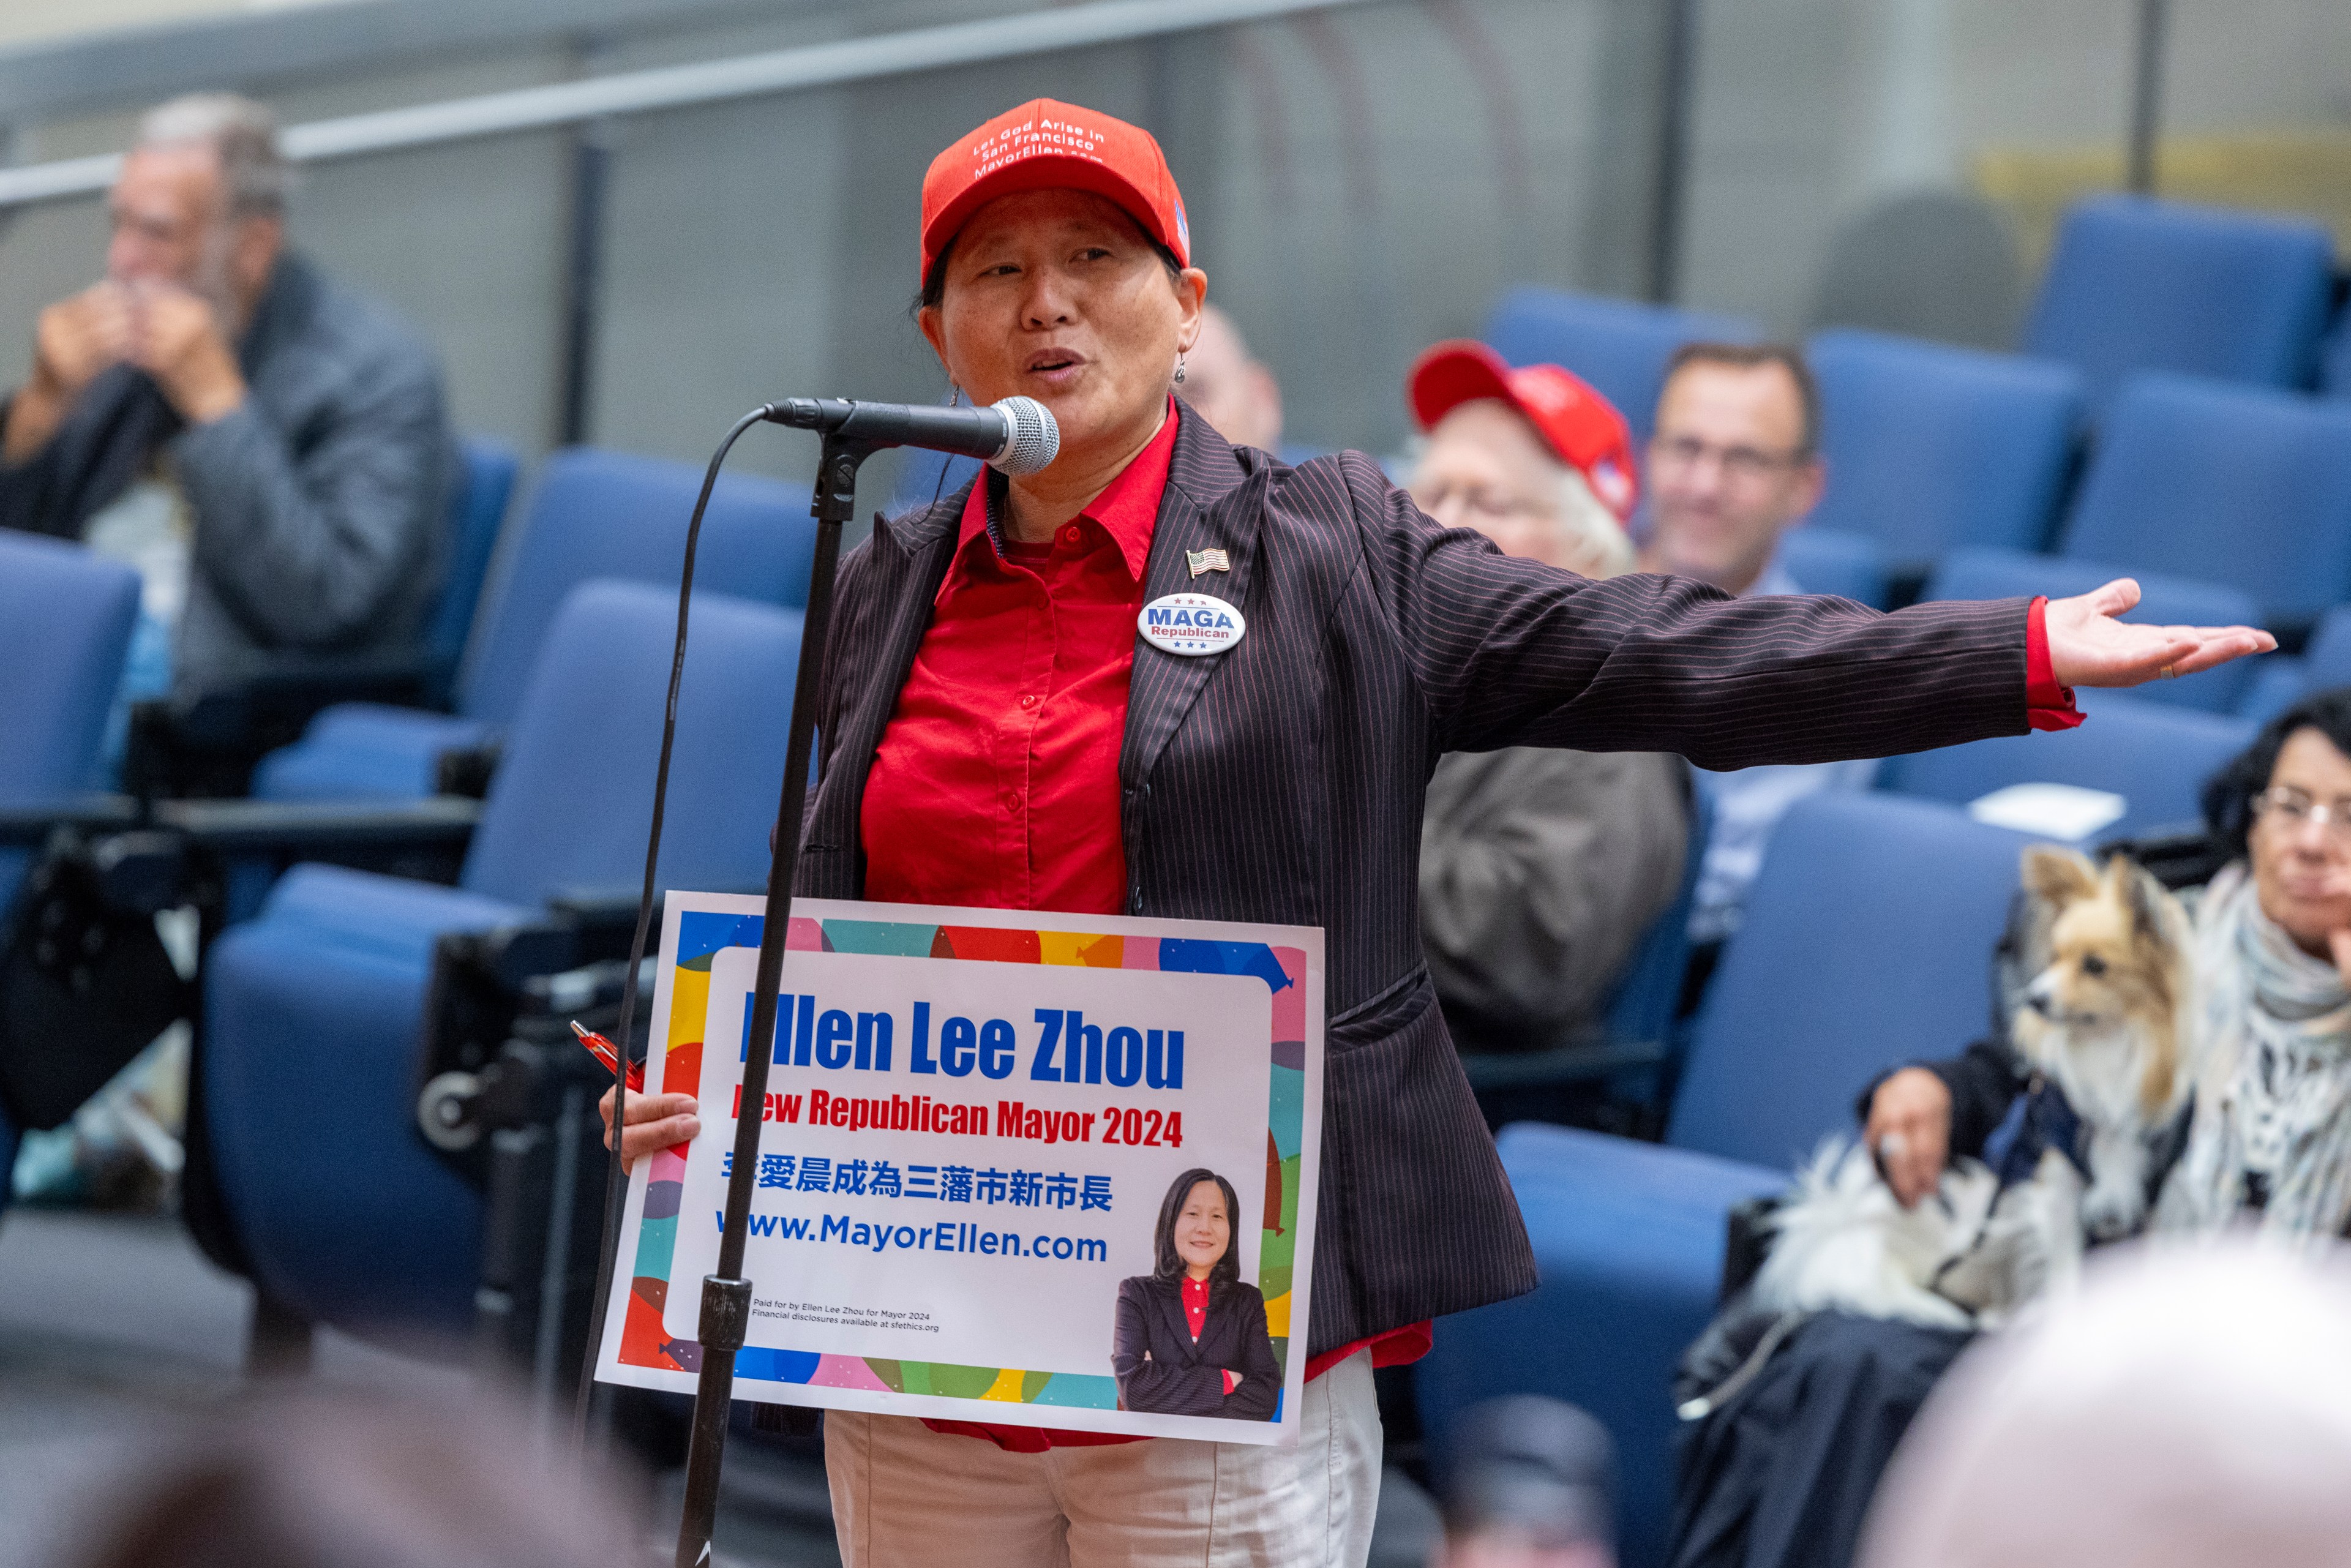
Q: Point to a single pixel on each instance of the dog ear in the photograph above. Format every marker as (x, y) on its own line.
(2143, 896)
(2057, 877)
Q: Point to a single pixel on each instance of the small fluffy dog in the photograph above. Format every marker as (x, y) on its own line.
(2106, 1020)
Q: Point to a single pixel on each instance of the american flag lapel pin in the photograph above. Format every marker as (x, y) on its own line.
(1202, 560)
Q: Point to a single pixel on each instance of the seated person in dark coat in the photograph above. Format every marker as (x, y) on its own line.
(267, 448)
(1192, 1339)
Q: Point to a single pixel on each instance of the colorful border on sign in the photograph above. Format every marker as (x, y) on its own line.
(703, 934)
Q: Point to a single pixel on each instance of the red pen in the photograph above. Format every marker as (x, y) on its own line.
(601, 1049)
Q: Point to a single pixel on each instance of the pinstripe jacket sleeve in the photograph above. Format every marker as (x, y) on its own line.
(1506, 652)
(1283, 782)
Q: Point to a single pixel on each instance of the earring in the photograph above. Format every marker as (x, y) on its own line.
(1179, 366)
(954, 395)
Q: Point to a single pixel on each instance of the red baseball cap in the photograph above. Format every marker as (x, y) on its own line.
(1047, 145)
(1580, 427)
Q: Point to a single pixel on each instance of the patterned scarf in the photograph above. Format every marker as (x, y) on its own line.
(2273, 1097)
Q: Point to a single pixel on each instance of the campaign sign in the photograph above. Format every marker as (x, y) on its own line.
(995, 1146)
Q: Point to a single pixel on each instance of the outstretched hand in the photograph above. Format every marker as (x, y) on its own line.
(2088, 647)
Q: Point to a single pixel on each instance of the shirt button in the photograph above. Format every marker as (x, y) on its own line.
(1071, 534)
(1012, 801)
(1028, 702)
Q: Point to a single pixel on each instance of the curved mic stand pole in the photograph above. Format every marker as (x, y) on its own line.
(727, 1295)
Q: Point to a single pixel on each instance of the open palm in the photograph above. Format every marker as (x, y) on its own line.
(2088, 647)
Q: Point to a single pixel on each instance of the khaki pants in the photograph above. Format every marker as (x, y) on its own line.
(906, 1497)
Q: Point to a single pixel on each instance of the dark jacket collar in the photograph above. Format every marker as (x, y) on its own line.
(1215, 500)
(287, 302)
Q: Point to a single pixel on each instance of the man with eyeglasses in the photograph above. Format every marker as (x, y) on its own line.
(1732, 467)
(266, 447)
(1540, 868)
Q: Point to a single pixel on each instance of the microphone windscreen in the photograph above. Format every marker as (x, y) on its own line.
(1034, 437)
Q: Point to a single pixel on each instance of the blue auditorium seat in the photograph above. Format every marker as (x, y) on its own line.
(1831, 560)
(2324, 664)
(593, 514)
(1620, 346)
(2282, 681)
(2154, 756)
(65, 627)
(1649, 992)
(1866, 944)
(475, 512)
(1931, 447)
(2240, 486)
(2163, 601)
(2335, 358)
(313, 1008)
(2138, 285)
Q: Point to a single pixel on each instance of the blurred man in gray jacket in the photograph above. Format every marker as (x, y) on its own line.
(266, 446)
(1540, 869)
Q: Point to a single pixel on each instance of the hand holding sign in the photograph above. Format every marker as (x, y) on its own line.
(970, 1127)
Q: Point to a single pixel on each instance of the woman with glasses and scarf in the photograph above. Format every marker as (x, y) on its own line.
(1782, 1472)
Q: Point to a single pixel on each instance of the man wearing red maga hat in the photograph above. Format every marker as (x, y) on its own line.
(1540, 867)
(1533, 457)
(1077, 773)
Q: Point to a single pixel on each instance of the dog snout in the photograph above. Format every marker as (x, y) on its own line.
(2041, 995)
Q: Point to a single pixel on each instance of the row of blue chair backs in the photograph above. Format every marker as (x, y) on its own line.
(1932, 447)
(2157, 758)
(2138, 285)
(1866, 943)
(597, 513)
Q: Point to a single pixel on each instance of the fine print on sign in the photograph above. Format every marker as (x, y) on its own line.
(995, 1147)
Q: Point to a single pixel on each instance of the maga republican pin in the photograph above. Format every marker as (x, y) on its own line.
(1191, 624)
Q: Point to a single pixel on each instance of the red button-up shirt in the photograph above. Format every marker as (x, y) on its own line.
(996, 784)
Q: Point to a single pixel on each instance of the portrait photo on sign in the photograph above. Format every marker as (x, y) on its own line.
(1191, 1338)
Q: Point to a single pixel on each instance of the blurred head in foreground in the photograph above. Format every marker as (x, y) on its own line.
(1734, 463)
(2191, 1406)
(318, 1483)
(1228, 388)
(1532, 1485)
(1531, 457)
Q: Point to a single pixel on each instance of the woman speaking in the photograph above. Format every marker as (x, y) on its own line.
(1191, 1336)
(995, 734)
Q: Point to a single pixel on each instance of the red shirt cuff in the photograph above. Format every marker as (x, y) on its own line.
(1230, 1380)
(2047, 704)
(1396, 1348)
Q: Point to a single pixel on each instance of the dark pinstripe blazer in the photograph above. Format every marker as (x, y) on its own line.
(1282, 781)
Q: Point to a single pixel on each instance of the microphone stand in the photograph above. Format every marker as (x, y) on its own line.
(727, 1295)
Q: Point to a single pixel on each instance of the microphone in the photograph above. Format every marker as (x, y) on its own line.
(1017, 435)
